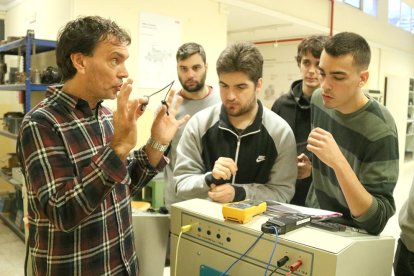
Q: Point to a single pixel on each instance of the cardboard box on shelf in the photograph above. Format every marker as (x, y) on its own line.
(18, 175)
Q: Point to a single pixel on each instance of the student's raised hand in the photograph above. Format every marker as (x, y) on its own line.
(323, 145)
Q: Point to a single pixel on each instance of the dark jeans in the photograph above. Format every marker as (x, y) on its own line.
(403, 261)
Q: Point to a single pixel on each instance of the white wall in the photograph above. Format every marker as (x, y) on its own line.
(205, 24)
(279, 70)
(45, 17)
(346, 18)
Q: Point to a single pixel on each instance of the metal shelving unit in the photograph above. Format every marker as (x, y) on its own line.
(26, 46)
(4, 216)
(409, 140)
(399, 91)
(8, 134)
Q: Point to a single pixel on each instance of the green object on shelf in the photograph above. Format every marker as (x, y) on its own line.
(157, 192)
(153, 193)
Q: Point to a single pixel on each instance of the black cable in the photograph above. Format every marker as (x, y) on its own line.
(281, 262)
(276, 268)
(158, 91)
(164, 102)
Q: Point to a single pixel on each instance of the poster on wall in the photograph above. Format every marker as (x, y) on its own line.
(277, 78)
(159, 39)
(279, 71)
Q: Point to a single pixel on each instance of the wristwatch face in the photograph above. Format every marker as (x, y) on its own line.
(157, 146)
(160, 147)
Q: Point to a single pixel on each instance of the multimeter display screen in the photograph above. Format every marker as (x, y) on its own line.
(244, 205)
(240, 205)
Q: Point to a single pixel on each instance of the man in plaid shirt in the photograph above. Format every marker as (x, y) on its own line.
(77, 160)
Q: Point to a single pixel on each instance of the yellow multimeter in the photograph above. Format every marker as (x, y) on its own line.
(243, 211)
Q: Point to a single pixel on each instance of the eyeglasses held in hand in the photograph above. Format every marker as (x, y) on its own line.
(163, 102)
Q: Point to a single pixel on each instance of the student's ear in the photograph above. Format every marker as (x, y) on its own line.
(363, 78)
(259, 84)
(78, 61)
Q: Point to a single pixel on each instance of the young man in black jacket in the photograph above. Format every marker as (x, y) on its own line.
(294, 107)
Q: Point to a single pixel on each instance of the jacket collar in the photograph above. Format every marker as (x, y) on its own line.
(296, 92)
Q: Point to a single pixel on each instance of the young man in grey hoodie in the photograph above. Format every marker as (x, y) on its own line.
(237, 149)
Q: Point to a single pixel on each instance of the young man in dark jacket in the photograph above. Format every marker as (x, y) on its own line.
(294, 107)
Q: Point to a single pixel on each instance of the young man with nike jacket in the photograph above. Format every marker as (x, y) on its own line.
(237, 149)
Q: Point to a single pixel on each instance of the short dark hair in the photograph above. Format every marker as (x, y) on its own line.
(241, 57)
(350, 43)
(313, 44)
(188, 49)
(81, 36)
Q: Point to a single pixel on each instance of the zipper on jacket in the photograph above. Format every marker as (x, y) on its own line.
(236, 158)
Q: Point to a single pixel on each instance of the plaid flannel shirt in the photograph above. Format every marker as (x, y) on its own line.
(79, 191)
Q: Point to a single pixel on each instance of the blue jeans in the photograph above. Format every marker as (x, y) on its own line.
(403, 261)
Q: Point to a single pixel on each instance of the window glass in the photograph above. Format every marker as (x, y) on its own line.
(355, 3)
(370, 7)
(394, 12)
(367, 6)
(412, 20)
(405, 20)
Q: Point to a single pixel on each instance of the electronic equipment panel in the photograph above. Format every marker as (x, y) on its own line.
(211, 245)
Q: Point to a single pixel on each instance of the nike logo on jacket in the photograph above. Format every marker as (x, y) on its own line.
(260, 158)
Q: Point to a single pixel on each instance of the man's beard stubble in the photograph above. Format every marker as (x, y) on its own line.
(196, 88)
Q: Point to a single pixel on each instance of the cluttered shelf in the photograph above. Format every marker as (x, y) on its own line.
(11, 124)
(28, 78)
(6, 175)
(8, 134)
(11, 203)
